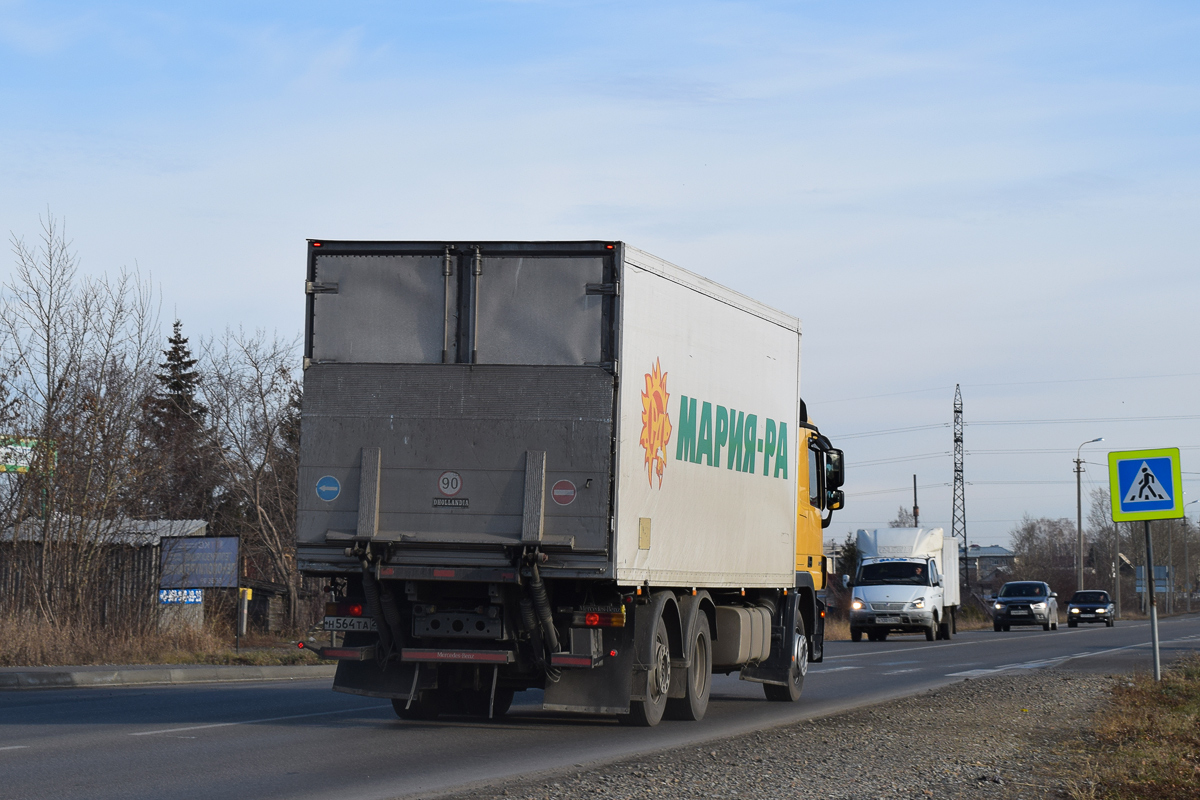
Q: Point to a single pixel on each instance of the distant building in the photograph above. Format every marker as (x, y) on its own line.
(987, 563)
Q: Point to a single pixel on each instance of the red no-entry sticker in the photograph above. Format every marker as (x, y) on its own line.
(563, 493)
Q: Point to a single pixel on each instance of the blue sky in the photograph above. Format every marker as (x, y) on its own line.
(1001, 195)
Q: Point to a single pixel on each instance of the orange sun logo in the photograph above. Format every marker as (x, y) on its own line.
(656, 423)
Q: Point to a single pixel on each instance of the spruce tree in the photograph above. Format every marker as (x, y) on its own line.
(179, 444)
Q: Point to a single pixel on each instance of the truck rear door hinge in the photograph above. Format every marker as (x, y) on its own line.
(313, 287)
(604, 288)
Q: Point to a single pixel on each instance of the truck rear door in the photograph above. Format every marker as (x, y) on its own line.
(455, 360)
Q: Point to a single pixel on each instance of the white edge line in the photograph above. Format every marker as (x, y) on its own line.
(255, 721)
(15, 747)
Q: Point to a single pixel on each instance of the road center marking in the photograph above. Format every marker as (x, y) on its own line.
(256, 721)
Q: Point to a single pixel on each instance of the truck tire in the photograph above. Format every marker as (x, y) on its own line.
(649, 712)
(856, 634)
(476, 702)
(795, 685)
(425, 706)
(944, 631)
(699, 676)
(931, 632)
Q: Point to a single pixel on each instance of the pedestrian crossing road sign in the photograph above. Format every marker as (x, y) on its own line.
(1145, 484)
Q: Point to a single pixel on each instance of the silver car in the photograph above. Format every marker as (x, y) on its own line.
(1025, 603)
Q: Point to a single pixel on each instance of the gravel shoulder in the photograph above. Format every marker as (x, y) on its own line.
(1005, 736)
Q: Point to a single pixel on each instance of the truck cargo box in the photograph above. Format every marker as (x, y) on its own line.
(636, 421)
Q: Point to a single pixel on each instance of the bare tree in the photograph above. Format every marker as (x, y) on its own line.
(1044, 550)
(80, 360)
(252, 394)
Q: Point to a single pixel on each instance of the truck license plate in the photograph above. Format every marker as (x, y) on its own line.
(350, 624)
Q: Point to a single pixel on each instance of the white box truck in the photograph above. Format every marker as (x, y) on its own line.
(906, 581)
(563, 465)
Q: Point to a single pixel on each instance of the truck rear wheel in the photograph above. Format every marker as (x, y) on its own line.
(699, 676)
(944, 631)
(790, 693)
(649, 712)
(425, 706)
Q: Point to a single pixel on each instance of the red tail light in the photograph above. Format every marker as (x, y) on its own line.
(599, 619)
(346, 608)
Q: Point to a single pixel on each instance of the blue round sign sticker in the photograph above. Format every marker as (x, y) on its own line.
(328, 488)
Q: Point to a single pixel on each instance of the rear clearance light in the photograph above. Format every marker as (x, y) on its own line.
(346, 608)
(569, 660)
(598, 619)
(342, 653)
(452, 656)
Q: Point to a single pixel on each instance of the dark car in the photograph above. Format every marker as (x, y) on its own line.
(1025, 603)
(1090, 605)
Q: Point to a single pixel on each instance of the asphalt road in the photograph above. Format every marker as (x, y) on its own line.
(301, 740)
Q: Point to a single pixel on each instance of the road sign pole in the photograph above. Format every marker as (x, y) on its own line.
(1117, 567)
(1151, 585)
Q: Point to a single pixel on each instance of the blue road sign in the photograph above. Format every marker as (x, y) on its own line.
(199, 563)
(328, 488)
(1145, 484)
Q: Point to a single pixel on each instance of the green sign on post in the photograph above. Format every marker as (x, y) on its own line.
(16, 454)
(1145, 485)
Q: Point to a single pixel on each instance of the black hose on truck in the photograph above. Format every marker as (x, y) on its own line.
(537, 591)
(530, 624)
(371, 595)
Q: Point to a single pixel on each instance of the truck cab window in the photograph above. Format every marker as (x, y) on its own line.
(815, 495)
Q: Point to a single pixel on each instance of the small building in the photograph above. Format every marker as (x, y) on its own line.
(986, 563)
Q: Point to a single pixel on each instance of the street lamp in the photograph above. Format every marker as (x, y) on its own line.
(1079, 506)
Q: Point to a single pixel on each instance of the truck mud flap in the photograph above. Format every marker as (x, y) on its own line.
(603, 690)
(783, 640)
(367, 678)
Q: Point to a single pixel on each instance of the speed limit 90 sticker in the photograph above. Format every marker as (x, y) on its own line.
(450, 484)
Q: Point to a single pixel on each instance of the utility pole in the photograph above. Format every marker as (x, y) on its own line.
(958, 523)
(1187, 569)
(1079, 509)
(916, 509)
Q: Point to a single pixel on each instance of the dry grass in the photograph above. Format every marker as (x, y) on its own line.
(1147, 742)
(25, 641)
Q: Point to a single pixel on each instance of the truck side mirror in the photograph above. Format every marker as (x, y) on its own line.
(835, 469)
(835, 499)
(845, 581)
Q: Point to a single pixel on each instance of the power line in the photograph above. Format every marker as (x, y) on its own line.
(1163, 418)
(844, 436)
(1013, 383)
(898, 459)
(893, 491)
(1065, 421)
